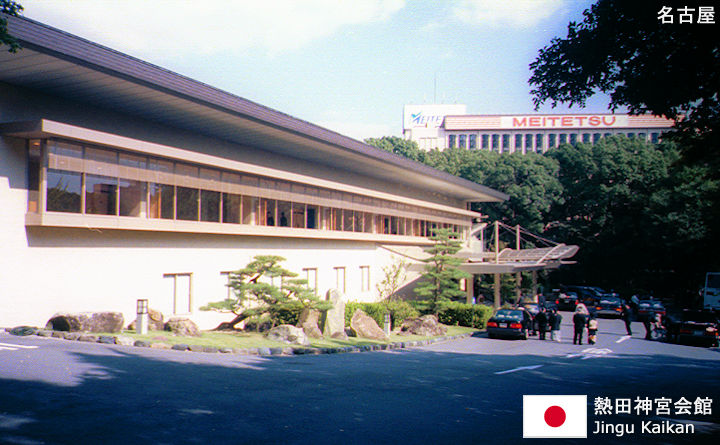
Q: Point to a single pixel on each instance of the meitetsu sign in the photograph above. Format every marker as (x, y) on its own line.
(429, 116)
(566, 121)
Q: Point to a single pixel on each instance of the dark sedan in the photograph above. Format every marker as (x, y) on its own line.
(695, 327)
(609, 307)
(567, 301)
(648, 308)
(509, 323)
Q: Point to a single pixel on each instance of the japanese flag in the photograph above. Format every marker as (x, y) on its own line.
(554, 416)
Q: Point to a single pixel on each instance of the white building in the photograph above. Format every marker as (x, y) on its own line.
(120, 180)
(443, 127)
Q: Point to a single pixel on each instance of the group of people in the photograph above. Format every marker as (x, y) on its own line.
(548, 319)
(583, 319)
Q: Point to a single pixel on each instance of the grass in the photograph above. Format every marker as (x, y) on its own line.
(246, 340)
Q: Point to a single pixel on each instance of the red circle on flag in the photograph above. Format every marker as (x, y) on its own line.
(555, 416)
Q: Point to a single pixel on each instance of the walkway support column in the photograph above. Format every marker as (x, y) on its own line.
(534, 283)
(518, 286)
(496, 289)
(470, 289)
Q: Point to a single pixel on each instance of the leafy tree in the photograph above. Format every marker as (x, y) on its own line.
(13, 8)
(399, 146)
(441, 278)
(393, 278)
(256, 293)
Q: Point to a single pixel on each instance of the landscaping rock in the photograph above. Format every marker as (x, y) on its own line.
(160, 346)
(263, 351)
(44, 333)
(106, 339)
(88, 338)
(58, 334)
(183, 327)
(365, 326)
(124, 341)
(334, 319)
(225, 350)
(71, 335)
(308, 321)
(86, 322)
(23, 331)
(210, 349)
(142, 344)
(426, 326)
(288, 334)
(156, 323)
(197, 348)
(180, 347)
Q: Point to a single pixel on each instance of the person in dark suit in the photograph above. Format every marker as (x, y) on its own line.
(580, 319)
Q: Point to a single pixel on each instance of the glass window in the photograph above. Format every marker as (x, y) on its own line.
(364, 278)
(161, 201)
(298, 215)
(518, 141)
(187, 204)
(596, 137)
(310, 275)
(642, 136)
(311, 217)
(231, 208)
(654, 137)
(495, 142)
(539, 142)
(347, 220)
(485, 141)
(506, 142)
(63, 191)
(472, 142)
(132, 197)
(563, 138)
(128, 160)
(631, 135)
(284, 212)
(336, 219)
(209, 206)
(100, 195)
(528, 142)
(586, 138)
(573, 138)
(462, 141)
(358, 221)
(368, 225)
(451, 141)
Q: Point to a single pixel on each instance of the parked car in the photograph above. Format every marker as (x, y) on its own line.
(509, 323)
(609, 307)
(647, 307)
(588, 295)
(533, 309)
(567, 300)
(693, 326)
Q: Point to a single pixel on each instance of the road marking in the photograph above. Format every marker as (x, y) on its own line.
(590, 353)
(522, 368)
(13, 347)
(623, 338)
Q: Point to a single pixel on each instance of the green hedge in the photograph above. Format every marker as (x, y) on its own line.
(458, 314)
(399, 312)
(451, 313)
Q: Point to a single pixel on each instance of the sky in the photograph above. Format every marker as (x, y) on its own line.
(346, 65)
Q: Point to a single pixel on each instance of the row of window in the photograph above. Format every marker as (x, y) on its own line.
(534, 142)
(104, 195)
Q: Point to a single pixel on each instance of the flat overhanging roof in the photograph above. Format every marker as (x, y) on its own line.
(73, 68)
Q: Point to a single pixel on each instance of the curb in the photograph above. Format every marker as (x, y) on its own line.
(262, 351)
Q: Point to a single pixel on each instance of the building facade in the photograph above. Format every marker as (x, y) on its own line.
(121, 180)
(431, 126)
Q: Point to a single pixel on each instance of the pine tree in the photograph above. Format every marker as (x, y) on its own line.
(441, 280)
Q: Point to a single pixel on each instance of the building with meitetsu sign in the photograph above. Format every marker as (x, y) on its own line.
(449, 126)
(120, 180)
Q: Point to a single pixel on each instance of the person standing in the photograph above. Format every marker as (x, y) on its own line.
(579, 323)
(592, 330)
(647, 320)
(555, 320)
(627, 318)
(542, 320)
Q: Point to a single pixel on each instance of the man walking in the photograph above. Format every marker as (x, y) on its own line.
(627, 318)
(555, 320)
(542, 320)
(579, 322)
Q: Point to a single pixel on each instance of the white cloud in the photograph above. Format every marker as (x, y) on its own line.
(208, 26)
(501, 13)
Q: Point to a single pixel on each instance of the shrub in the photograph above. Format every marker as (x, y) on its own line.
(399, 311)
(456, 313)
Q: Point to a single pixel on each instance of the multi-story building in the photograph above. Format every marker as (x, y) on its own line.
(434, 126)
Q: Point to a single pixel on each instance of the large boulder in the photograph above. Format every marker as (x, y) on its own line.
(183, 327)
(87, 322)
(157, 321)
(365, 326)
(288, 334)
(308, 321)
(334, 318)
(427, 326)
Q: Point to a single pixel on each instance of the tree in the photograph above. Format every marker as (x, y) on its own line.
(393, 278)
(399, 146)
(441, 280)
(623, 49)
(13, 8)
(255, 292)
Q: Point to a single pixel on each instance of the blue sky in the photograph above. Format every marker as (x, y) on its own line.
(346, 65)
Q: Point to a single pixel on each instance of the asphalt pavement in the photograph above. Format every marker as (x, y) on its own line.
(468, 391)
